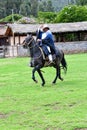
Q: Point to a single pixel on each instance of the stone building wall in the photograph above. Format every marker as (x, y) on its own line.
(67, 47)
(73, 47)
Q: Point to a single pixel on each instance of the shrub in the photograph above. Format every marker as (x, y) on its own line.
(9, 18)
(46, 17)
(72, 13)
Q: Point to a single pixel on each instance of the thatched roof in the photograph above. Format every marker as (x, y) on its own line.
(2, 30)
(21, 28)
(55, 28)
(26, 20)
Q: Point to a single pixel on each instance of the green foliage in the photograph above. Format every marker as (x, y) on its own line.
(27, 20)
(25, 105)
(46, 17)
(30, 8)
(81, 2)
(34, 8)
(72, 13)
(46, 6)
(10, 18)
(25, 9)
(49, 6)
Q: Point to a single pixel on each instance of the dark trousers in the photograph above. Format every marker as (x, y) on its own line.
(52, 47)
(45, 50)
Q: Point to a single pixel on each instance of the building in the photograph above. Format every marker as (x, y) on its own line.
(63, 32)
(70, 37)
(3, 37)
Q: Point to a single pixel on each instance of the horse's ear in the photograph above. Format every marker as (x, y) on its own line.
(29, 34)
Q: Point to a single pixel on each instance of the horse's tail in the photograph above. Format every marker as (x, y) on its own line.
(64, 63)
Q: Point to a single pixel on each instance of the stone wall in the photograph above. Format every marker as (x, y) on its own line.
(2, 51)
(14, 51)
(73, 47)
(67, 47)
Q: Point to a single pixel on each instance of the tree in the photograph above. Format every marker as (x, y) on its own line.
(49, 6)
(25, 9)
(72, 14)
(10, 5)
(81, 2)
(2, 9)
(34, 7)
(9, 18)
(46, 6)
(72, 2)
(43, 6)
(46, 17)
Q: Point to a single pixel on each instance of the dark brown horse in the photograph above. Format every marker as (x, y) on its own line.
(38, 60)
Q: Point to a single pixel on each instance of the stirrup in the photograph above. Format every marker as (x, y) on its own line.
(50, 62)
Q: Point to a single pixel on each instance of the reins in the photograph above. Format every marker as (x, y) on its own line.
(30, 42)
(42, 54)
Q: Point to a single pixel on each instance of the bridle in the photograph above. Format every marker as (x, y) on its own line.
(33, 47)
(30, 43)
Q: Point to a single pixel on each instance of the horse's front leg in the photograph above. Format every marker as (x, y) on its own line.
(33, 74)
(37, 68)
(41, 76)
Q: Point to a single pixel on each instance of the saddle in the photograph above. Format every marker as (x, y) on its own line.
(45, 57)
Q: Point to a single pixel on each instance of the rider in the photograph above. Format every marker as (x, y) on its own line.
(45, 37)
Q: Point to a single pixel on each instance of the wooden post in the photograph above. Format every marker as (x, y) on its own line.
(9, 40)
(13, 38)
(79, 36)
(19, 40)
(57, 37)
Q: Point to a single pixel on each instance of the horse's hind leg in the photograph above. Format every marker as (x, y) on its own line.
(41, 76)
(54, 81)
(59, 74)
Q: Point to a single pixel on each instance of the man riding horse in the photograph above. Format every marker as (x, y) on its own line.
(38, 61)
(46, 42)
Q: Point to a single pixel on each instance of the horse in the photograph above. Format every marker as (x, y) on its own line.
(38, 60)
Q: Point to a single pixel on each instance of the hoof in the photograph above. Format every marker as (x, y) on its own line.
(35, 80)
(53, 82)
(61, 79)
(43, 84)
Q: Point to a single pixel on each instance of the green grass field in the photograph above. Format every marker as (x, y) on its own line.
(25, 105)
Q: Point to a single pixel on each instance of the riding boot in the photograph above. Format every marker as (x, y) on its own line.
(50, 58)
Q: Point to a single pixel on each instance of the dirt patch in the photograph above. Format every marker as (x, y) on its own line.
(81, 129)
(53, 128)
(54, 106)
(46, 105)
(2, 115)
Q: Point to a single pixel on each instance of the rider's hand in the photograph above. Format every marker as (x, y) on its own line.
(40, 28)
(39, 40)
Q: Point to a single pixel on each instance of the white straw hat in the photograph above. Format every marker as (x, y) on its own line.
(45, 26)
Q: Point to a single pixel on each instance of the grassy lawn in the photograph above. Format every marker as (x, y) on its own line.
(25, 105)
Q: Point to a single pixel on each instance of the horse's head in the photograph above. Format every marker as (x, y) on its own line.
(28, 40)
